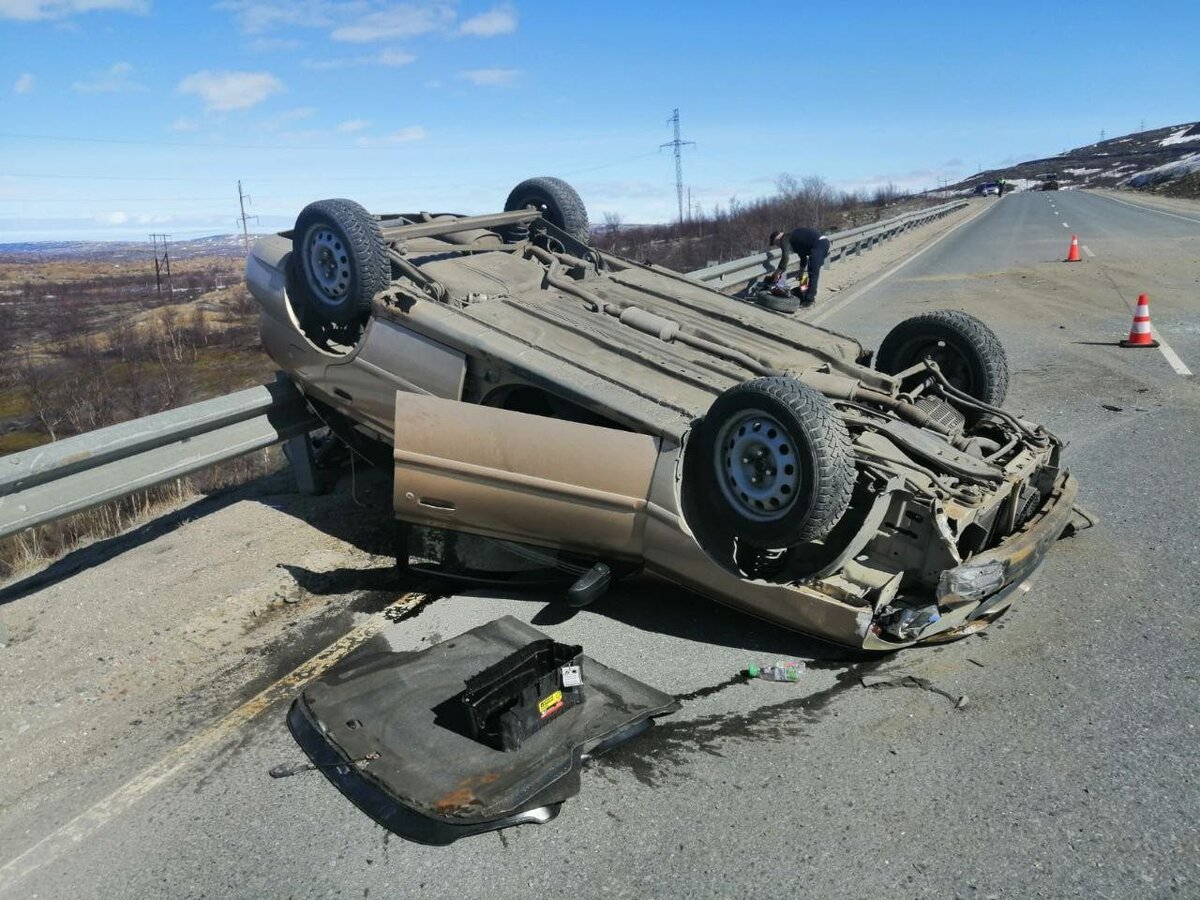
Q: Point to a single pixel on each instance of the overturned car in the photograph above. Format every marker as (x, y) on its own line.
(535, 390)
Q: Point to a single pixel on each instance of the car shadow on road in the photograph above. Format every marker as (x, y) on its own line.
(642, 602)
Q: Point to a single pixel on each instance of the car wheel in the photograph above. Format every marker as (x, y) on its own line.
(965, 349)
(780, 456)
(556, 200)
(788, 304)
(341, 257)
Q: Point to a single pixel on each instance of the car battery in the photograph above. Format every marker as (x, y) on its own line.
(520, 695)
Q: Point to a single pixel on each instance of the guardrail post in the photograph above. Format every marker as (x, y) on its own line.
(299, 452)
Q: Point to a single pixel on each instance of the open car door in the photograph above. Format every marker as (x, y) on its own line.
(521, 477)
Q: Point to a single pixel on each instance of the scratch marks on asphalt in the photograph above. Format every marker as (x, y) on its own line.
(90, 820)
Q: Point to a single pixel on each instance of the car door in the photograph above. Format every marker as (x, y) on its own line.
(521, 477)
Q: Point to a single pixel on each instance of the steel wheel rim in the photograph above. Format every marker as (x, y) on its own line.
(756, 466)
(327, 265)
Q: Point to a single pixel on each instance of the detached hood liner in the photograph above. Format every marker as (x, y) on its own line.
(433, 785)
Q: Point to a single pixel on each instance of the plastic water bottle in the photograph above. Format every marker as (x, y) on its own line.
(781, 671)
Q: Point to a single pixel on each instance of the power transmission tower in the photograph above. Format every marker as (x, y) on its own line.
(1101, 134)
(1142, 125)
(242, 198)
(677, 144)
(162, 264)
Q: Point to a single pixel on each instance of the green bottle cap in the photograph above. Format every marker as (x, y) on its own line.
(753, 671)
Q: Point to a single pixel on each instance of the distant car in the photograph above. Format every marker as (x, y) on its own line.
(533, 389)
(1050, 184)
(991, 189)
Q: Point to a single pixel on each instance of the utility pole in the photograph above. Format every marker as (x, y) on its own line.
(678, 145)
(1101, 134)
(242, 199)
(1142, 125)
(162, 265)
(689, 204)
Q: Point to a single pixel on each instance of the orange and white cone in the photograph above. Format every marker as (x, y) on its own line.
(1140, 334)
(1073, 253)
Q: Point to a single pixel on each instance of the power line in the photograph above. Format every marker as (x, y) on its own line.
(678, 145)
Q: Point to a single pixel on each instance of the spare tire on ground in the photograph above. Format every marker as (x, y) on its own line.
(966, 350)
(556, 200)
(341, 259)
(772, 464)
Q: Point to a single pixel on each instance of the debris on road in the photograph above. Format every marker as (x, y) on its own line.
(781, 671)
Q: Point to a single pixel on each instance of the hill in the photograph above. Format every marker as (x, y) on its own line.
(1144, 160)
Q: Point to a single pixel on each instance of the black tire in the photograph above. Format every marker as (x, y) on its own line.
(808, 489)
(788, 304)
(967, 351)
(558, 202)
(341, 260)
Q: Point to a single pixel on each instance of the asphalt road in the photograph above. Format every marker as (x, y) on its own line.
(1069, 770)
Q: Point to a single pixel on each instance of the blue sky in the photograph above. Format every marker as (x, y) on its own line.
(122, 117)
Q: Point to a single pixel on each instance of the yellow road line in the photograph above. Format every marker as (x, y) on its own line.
(99, 814)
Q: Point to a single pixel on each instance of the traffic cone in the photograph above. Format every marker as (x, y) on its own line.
(1139, 332)
(1073, 253)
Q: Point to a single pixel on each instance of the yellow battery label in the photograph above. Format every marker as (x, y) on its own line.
(548, 704)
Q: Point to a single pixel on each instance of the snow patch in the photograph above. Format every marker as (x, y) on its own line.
(1185, 165)
(1182, 136)
(1082, 171)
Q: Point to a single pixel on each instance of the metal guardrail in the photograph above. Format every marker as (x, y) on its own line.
(68, 476)
(732, 276)
(77, 473)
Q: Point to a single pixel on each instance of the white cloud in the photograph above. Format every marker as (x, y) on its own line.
(403, 136)
(255, 16)
(116, 79)
(184, 124)
(388, 57)
(117, 218)
(33, 10)
(223, 91)
(400, 21)
(501, 20)
(24, 84)
(352, 125)
(392, 57)
(491, 77)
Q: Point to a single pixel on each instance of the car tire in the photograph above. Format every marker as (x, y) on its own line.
(557, 201)
(967, 351)
(787, 434)
(341, 260)
(788, 304)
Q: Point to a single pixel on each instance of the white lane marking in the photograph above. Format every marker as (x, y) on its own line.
(1169, 354)
(90, 820)
(1087, 250)
(1065, 225)
(855, 292)
(1148, 209)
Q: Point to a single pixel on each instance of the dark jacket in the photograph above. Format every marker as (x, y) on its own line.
(801, 241)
